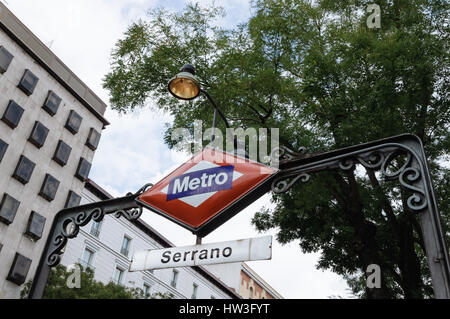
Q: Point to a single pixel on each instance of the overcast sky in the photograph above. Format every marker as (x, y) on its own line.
(131, 152)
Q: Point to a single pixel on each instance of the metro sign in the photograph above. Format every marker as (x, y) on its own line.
(207, 190)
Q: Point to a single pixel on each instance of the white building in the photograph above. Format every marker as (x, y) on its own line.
(50, 124)
(107, 248)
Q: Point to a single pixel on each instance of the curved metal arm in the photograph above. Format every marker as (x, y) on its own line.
(217, 110)
(414, 175)
(66, 225)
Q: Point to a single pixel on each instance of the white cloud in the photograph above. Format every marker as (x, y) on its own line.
(131, 152)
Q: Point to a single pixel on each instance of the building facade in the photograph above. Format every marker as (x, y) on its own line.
(244, 280)
(108, 246)
(50, 125)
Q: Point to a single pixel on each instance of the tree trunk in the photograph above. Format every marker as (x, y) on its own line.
(365, 242)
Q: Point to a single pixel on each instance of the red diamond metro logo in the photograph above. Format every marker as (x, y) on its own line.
(207, 190)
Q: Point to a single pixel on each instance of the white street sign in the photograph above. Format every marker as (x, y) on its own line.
(206, 254)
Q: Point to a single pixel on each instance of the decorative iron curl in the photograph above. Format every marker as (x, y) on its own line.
(142, 189)
(69, 228)
(131, 214)
(374, 160)
(282, 153)
(70, 225)
(281, 185)
(417, 201)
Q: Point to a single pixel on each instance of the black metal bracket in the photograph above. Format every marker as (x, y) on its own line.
(66, 225)
(413, 175)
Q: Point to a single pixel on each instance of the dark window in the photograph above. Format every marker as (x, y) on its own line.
(35, 227)
(51, 103)
(28, 82)
(3, 147)
(93, 139)
(49, 187)
(23, 170)
(19, 269)
(5, 59)
(62, 153)
(8, 209)
(12, 114)
(83, 169)
(72, 200)
(38, 134)
(73, 122)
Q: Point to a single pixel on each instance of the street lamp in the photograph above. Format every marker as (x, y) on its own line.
(185, 86)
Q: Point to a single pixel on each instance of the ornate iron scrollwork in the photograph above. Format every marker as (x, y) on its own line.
(283, 153)
(375, 158)
(70, 220)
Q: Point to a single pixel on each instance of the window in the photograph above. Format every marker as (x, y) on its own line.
(83, 169)
(8, 209)
(93, 139)
(51, 103)
(38, 134)
(28, 82)
(13, 114)
(35, 227)
(5, 59)
(173, 283)
(3, 147)
(95, 228)
(86, 259)
(146, 290)
(118, 276)
(72, 200)
(124, 250)
(62, 153)
(23, 170)
(251, 293)
(194, 291)
(19, 269)
(49, 187)
(73, 122)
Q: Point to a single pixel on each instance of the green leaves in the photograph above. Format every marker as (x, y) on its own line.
(57, 288)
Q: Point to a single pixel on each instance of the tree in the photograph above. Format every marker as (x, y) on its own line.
(315, 70)
(89, 288)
